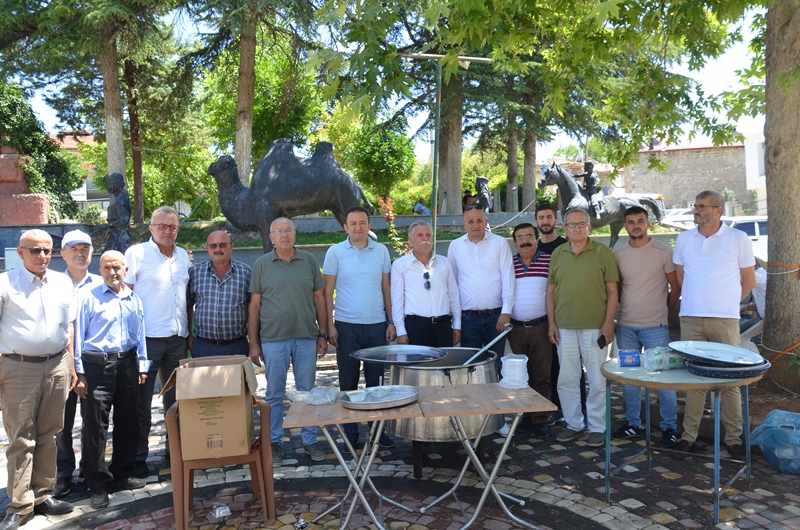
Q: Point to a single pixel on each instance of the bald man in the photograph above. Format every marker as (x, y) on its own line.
(217, 301)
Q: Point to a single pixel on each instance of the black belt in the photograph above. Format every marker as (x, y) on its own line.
(101, 358)
(481, 312)
(33, 358)
(220, 342)
(529, 323)
(429, 320)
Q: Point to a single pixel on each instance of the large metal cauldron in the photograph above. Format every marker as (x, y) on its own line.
(447, 371)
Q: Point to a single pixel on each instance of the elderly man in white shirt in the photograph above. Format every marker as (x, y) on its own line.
(425, 301)
(158, 272)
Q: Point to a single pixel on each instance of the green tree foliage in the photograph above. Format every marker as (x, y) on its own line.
(287, 99)
(48, 169)
(382, 155)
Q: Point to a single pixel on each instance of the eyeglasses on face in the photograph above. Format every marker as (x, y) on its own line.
(526, 237)
(427, 277)
(212, 246)
(573, 226)
(288, 232)
(473, 206)
(35, 251)
(701, 207)
(166, 228)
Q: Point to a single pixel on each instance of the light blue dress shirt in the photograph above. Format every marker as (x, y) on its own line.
(109, 322)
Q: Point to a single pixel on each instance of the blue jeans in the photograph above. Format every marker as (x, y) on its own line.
(353, 337)
(629, 337)
(477, 332)
(303, 355)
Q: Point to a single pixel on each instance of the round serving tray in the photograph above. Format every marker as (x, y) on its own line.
(399, 354)
(720, 372)
(718, 354)
(398, 396)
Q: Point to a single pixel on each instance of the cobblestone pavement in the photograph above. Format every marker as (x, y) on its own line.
(562, 485)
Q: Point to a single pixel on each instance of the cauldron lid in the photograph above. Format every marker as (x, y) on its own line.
(399, 354)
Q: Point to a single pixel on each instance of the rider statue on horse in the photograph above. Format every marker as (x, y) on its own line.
(591, 188)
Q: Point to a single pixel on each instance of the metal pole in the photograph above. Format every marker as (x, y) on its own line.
(437, 122)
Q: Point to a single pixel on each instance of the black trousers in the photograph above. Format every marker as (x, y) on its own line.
(114, 384)
(66, 454)
(439, 335)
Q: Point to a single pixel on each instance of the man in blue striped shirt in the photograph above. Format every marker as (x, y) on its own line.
(111, 361)
(217, 300)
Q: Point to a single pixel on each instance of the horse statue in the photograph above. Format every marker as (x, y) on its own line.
(613, 210)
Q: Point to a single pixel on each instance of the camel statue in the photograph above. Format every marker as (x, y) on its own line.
(285, 186)
(613, 210)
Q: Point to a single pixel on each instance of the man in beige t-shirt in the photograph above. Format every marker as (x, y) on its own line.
(648, 290)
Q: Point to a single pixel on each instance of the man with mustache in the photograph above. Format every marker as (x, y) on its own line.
(76, 251)
(37, 311)
(217, 300)
(425, 301)
(529, 317)
(111, 362)
(648, 291)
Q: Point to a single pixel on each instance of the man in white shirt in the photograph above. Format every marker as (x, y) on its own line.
(425, 303)
(158, 272)
(482, 264)
(715, 266)
(648, 291)
(76, 250)
(754, 312)
(529, 317)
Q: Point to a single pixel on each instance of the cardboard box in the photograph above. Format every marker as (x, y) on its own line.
(215, 396)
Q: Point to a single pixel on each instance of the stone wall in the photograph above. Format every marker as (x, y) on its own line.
(17, 205)
(690, 172)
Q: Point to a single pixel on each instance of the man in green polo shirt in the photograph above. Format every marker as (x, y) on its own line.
(581, 301)
(287, 322)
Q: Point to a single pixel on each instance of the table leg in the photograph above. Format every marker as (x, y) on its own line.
(716, 456)
(608, 440)
(647, 427)
(746, 397)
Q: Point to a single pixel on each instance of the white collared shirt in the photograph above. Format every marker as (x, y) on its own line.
(484, 272)
(161, 283)
(409, 296)
(35, 313)
(712, 277)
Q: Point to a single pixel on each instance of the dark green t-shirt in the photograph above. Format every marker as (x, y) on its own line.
(580, 281)
(287, 295)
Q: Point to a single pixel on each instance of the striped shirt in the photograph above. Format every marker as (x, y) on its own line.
(530, 287)
(220, 306)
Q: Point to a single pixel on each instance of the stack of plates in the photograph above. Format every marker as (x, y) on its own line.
(713, 359)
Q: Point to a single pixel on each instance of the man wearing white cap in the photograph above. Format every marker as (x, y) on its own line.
(76, 250)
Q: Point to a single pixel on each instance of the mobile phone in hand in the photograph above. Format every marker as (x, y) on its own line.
(601, 341)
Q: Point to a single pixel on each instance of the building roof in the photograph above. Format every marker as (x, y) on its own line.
(69, 139)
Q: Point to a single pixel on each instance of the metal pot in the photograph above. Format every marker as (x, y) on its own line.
(447, 371)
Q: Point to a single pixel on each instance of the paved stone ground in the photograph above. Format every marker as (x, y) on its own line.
(562, 485)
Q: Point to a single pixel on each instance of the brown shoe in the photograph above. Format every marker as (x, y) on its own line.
(737, 452)
(684, 446)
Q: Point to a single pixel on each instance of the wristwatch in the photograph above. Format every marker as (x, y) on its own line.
(323, 336)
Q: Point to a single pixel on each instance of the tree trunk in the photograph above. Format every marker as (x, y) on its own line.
(530, 172)
(512, 181)
(450, 147)
(782, 153)
(112, 106)
(244, 103)
(136, 145)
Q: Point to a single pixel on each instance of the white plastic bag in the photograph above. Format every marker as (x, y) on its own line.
(663, 358)
(322, 395)
(515, 371)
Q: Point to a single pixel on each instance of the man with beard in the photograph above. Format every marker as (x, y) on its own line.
(425, 303)
(529, 317)
(76, 250)
(648, 291)
(217, 301)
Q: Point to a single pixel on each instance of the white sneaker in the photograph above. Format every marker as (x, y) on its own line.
(504, 430)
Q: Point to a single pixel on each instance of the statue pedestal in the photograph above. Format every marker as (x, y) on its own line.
(17, 205)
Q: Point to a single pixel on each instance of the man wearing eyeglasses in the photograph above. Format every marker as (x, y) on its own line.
(358, 269)
(425, 299)
(37, 311)
(158, 272)
(716, 271)
(529, 317)
(76, 250)
(582, 301)
(287, 323)
(217, 301)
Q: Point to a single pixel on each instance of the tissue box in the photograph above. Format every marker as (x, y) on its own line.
(629, 358)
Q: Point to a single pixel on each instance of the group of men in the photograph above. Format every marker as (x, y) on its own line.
(106, 338)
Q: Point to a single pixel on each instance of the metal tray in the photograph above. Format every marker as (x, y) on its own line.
(727, 373)
(718, 354)
(398, 396)
(399, 354)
